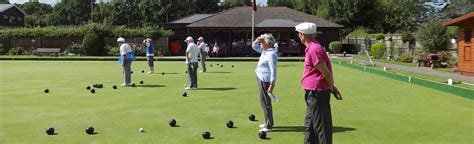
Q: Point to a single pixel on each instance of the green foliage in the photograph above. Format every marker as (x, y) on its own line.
(93, 44)
(355, 14)
(379, 36)
(75, 48)
(378, 50)
(2, 49)
(15, 51)
(112, 50)
(359, 32)
(286, 3)
(72, 12)
(452, 32)
(335, 46)
(398, 15)
(307, 6)
(104, 30)
(406, 58)
(407, 36)
(433, 37)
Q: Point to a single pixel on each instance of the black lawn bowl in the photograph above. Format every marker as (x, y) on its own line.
(141, 82)
(206, 135)
(134, 85)
(92, 90)
(230, 124)
(252, 117)
(217, 64)
(114, 87)
(131, 72)
(172, 122)
(232, 66)
(163, 73)
(50, 131)
(46, 91)
(185, 94)
(90, 130)
(143, 71)
(211, 65)
(88, 87)
(101, 85)
(222, 65)
(185, 71)
(262, 134)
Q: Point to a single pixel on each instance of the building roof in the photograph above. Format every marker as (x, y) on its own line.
(465, 20)
(240, 17)
(4, 7)
(192, 18)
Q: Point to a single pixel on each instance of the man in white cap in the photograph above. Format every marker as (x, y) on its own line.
(192, 52)
(126, 58)
(204, 49)
(318, 83)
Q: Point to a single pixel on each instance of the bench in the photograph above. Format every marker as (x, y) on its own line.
(49, 51)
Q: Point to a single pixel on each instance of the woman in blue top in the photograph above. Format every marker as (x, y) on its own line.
(150, 52)
(266, 76)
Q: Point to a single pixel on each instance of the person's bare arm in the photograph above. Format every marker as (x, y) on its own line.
(321, 66)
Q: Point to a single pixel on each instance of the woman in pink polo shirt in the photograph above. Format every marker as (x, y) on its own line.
(317, 81)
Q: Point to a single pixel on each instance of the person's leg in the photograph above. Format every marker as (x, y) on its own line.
(323, 121)
(203, 61)
(128, 72)
(266, 104)
(150, 60)
(195, 78)
(310, 133)
(189, 75)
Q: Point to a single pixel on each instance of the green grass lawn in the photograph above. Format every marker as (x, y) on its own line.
(375, 109)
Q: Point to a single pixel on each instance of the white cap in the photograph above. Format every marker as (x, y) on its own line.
(200, 38)
(306, 28)
(121, 39)
(189, 39)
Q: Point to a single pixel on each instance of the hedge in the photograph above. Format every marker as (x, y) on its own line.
(105, 30)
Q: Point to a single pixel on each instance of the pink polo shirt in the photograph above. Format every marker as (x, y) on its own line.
(312, 78)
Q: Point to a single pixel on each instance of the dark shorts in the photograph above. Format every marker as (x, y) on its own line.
(150, 60)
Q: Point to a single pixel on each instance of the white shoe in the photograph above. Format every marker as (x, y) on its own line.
(187, 88)
(123, 85)
(261, 125)
(265, 130)
(150, 72)
(274, 97)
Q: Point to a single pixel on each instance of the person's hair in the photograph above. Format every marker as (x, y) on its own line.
(268, 39)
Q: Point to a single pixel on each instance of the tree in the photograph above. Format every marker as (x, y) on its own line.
(433, 37)
(402, 15)
(104, 13)
(73, 12)
(37, 13)
(286, 3)
(307, 6)
(207, 6)
(355, 14)
(127, 13)
(153, 12)
(235, 3)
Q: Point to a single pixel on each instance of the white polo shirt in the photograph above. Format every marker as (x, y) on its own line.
(193, 50)
(125, 48)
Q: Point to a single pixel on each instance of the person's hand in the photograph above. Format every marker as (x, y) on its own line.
(336, 93)
(270, 89)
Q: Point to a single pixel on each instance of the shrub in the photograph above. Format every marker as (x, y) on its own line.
(448, 58)
(378, 50)
(433, 37)
(406, 58)
(112, 50)
(75, 48)
(379, 36)
(93, 44)
(359, 32)
(2, 49)
(15, 51)
(335, 46)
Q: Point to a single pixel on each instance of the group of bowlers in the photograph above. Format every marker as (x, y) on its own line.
(317, 79)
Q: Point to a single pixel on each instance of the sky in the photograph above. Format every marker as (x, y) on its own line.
(53, 2)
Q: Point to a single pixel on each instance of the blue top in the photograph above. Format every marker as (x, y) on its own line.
(150, 49)
(266, 68)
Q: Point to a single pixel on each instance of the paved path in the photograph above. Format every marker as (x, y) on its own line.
(422, 70)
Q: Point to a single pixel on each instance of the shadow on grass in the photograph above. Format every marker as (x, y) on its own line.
(95, 133)
(217, 72)
(335, 129)
(167, 73)
(150, 86)
(218, 89)
(286, 65)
